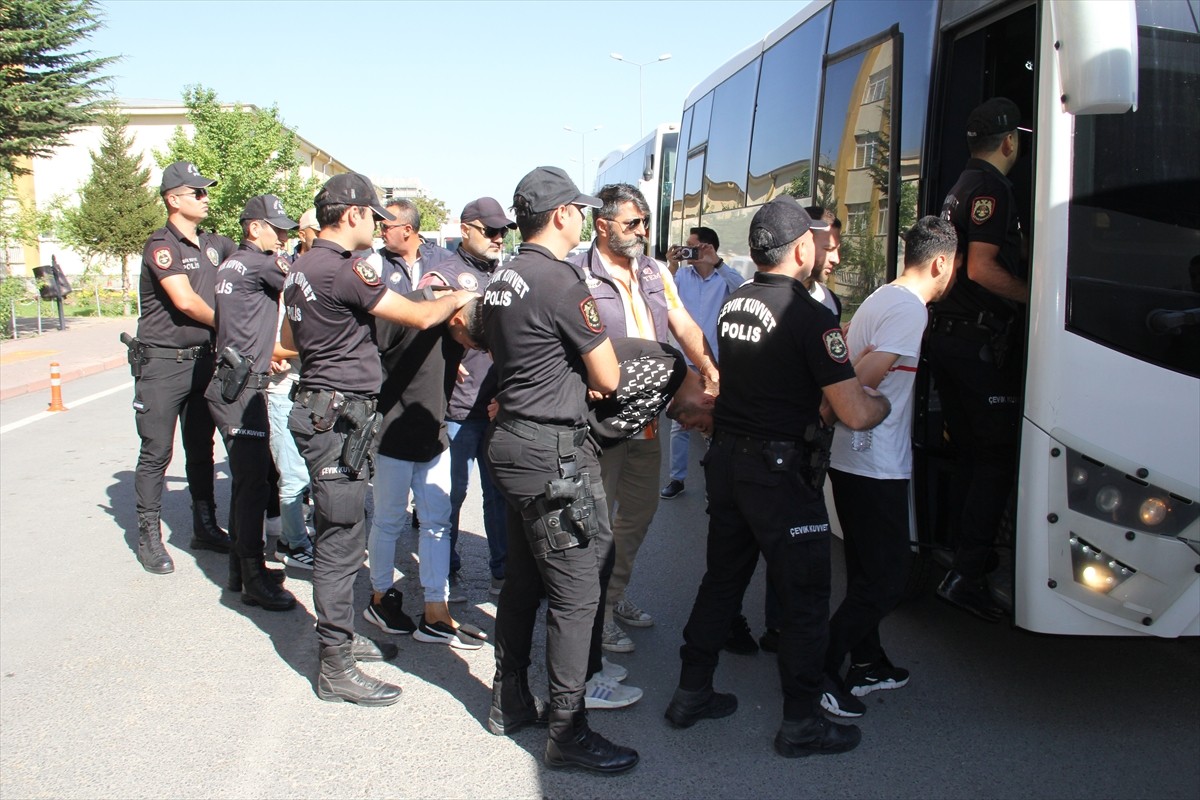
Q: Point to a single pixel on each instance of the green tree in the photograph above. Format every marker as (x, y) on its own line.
(249, 151)
(432, 210)
(47, 89)
(117, 210)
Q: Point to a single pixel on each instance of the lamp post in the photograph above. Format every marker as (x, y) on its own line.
(582, 152)
(623, 60)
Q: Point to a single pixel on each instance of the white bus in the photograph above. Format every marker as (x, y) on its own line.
(650, 166)
(860, 106)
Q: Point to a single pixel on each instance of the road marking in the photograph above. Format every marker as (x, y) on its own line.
(25, 355)
(41, 415)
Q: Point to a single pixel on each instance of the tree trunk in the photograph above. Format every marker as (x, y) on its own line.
(125, 286)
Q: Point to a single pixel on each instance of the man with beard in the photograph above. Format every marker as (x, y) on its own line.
(636, 297)
(828, 243)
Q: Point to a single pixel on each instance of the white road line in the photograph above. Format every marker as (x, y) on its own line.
(21, 423)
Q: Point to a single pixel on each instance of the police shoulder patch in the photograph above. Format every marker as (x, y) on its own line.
(364, 270)
(591, 315)
(163, 258)
(468, 281)
(835, 345)
(982, 209)
(282, 263)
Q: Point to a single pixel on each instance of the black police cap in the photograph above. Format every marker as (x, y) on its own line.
(183, 173)
(998, 115)
(268, 208)
(547, 188)
(351, 189)
(781, 221)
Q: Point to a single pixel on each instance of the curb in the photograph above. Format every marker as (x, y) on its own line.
(74, 373)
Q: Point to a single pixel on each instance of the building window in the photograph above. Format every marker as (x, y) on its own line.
(857, 218)
(881, 224)
(866, 151)
(877, 86)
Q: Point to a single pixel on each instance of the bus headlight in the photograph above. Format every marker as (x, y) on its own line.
(1106, 493)
(1095, 569)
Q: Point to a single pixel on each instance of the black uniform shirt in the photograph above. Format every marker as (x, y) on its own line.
(329, 295)
(982, 208)
(470, 393)
(777, 347)
(168, 252)
(248, 287)
(540, 320)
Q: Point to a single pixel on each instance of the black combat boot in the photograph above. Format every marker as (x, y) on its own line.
(150, 552)
(235, 573)
(365, 649)
(206, 533)
(573, 744)
(689, 707)
(513, 705)
(341, 680)
(815, 736)
(259, 590)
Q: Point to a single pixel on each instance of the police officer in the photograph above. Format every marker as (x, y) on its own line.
(549, 347)
(975, 349)
(247, 295)
(780, 352)
(330, 296)
(172, 363)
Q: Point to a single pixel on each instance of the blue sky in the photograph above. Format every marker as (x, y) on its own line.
(465, 96)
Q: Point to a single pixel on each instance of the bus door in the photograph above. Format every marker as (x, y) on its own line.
(989, 56)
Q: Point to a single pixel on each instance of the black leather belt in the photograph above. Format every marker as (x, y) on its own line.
(181, 354)
(960, 328)
(749, 444)
(257, 380)
(540, 433)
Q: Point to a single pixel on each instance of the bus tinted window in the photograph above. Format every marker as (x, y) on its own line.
(854, 175)
(786, 117)
(700, 117)
(729, 141)
(1133, 256)
(675, 233)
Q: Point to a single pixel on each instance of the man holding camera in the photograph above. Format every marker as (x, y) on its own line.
(247, 298)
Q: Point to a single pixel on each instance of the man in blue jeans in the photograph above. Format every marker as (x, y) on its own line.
(483, 228)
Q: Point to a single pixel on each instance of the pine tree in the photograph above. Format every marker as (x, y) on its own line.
(46, 91)
(117, 211)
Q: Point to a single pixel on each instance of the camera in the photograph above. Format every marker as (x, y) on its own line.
(685, 253)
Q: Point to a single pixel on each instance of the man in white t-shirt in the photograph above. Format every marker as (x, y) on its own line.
(870, 470)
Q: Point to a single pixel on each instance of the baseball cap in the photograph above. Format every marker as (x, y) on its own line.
(998, 115)
(487, 211)
(351, 189)
(268, 208)
(781, 221)
(547, 188)
(309, 220)
(183, 173)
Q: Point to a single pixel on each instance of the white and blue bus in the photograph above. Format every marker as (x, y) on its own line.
(860, 106)
(650, 166)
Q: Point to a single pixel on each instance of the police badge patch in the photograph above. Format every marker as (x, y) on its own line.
(282, 263)
(213, 255)
(366, 272)
(835, 345)
(468, 281)
(162, 257)
(981, 210)
(591, 315)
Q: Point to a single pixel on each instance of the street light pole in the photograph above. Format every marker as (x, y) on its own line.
(622, 59)
(582, 152)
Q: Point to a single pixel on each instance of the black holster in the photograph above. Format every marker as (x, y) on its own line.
(362, 426)
(563, 518)
(137, 358)
(814, 461)
(232, 373)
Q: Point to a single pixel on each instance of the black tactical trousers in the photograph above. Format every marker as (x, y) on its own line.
(167, 391)
(751, 510)
(569, 579)
(341, 540)
(245, 429)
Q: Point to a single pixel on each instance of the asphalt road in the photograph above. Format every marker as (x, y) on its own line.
(118, 683)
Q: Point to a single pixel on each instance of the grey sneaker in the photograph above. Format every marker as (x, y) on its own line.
(612, 672)
(457, 594)
(497, 585)
(628, 612)
(603, 693)
(615, 640)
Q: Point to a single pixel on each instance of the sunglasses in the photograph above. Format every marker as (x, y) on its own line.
(488, 230)
(196, 193)
(632, 224)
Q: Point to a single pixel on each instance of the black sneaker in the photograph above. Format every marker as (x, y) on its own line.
(769, 641)
(671, 490)
(740, 640)
(389, 614)
(839, 702)
(864, 679)
(442, 633)
(298, 557)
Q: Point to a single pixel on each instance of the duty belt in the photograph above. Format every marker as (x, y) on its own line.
(257, 380)
(305, 397)
(961, 328)
(540, 433)
(749, 444)
(181, 354)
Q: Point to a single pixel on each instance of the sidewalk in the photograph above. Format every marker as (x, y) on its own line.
(87, 346)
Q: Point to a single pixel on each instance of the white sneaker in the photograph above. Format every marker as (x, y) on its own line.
(615, 640)
(628, 612)
(602, 693)
(612, 672)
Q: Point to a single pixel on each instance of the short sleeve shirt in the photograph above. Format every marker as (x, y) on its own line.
(541, 320)
(329, 295)
(247, 301)
(168, 252)
(777, 348)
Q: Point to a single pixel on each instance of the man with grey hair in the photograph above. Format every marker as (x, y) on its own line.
(405, 255)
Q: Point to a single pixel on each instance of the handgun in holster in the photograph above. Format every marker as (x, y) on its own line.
(362, 422)
(1000, 342)
(565, 515)
(232, 371)
(135, 355)
(814, 464)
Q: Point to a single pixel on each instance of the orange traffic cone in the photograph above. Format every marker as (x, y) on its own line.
(56, 403)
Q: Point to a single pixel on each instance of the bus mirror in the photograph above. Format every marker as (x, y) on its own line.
(1097, 53)
(648, 168)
